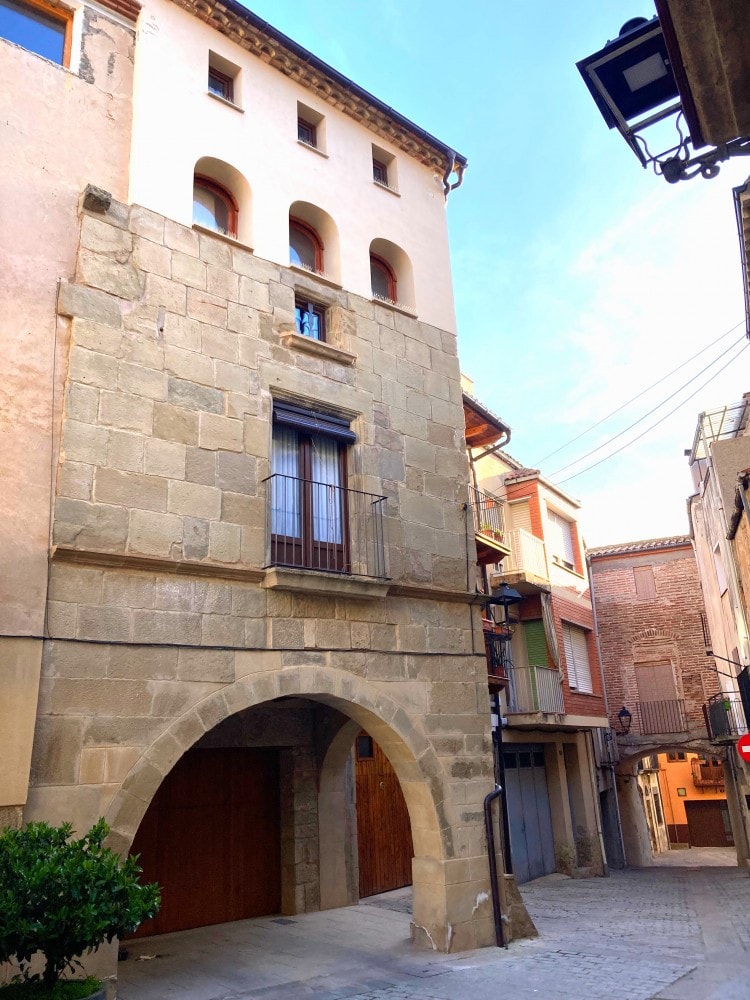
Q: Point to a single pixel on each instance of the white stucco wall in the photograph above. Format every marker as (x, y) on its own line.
(177, 122)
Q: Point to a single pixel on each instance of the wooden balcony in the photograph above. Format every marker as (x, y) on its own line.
(707, 775)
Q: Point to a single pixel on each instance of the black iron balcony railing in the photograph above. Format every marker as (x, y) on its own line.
(489, 518)
(498, 658)
(725, 717)
(666, 716)
(320, 526)
(707, 775)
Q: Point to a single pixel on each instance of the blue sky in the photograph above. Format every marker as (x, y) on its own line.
(579, 278)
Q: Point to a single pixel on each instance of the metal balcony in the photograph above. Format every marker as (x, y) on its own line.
(725, 716)
(660, 717)
(489, 526)
(528, 555)
(535, 689)
(498, 658)
(319, 526)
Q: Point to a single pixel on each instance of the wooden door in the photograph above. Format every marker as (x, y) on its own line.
(383, 826)
(211, 839)
(661, 711)
(531, 842)
(708, 823)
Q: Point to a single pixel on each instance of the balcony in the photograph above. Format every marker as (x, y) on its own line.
(707, 775)
(489, 526)
(535, 689)
(666, 716)
(527, 561)
(498, 659)
(322, 527)
(725, 716)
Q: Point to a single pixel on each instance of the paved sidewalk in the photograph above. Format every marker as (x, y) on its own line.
(670, 933)
(698, 857)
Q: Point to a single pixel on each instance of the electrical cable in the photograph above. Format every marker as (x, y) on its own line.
(652, 410)
(643, 433)
(638, 396)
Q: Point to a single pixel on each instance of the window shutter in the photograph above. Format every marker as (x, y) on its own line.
(560, 537)
(521, 516)
(536, 643)
(645, 585)
(577, 658)
(313, 422)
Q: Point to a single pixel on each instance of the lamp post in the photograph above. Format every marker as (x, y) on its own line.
(503, 597)
(637, 83)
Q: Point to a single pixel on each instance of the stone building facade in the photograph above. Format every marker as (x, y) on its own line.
(205, 596)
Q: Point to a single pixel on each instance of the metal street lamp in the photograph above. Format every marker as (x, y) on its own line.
(635, 84)
(503, 597)
(625, 718)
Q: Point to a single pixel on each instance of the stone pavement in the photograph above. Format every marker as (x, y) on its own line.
(672, 933)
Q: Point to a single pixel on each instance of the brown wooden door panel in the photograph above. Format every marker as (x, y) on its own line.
(708, 823)
(211, 838)
(383, 827)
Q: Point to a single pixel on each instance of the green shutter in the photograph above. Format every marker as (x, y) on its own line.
(536, 643)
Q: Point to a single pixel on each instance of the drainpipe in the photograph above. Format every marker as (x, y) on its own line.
(453, 165)
(489, 827)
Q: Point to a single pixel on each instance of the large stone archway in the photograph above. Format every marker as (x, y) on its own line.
(450, 885)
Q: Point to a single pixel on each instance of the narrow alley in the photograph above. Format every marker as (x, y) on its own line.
(667, 932)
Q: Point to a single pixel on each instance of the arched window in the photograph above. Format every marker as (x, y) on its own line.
(305, 246)
(214, 207)
(383, 279)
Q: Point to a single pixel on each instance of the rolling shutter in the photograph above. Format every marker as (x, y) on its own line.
(577, 658)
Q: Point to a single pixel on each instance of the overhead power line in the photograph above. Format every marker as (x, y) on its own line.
(637, 396)
(661, 420)
(652, 410)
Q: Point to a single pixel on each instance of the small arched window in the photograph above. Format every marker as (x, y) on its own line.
(383, 279)
(214, 207)
(305, 246)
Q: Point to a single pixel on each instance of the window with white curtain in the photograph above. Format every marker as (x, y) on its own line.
(577, 658)
(308, 500)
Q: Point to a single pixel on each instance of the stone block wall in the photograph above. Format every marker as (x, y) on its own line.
(163, 621)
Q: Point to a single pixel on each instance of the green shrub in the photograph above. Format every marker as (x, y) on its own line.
(63, 897)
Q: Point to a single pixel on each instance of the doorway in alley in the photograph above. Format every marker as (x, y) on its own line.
(708, 823)
(383, 828)
(531, 843)
(211, 839)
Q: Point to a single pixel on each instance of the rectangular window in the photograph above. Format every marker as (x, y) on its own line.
(380, 172)
(306, 132)
(38, 27)
(645, 585)
(536, 642)
(560, 539)
(676, 755)
(309, 508)
(310, 319)
(577, 658)
(220, 85)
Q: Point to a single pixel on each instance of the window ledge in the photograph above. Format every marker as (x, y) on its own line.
(223, 100)
(222, 236)
(315, 275)
(387, 187)
(312, 581)
(395, 306)
(313, 149)
(317, 347)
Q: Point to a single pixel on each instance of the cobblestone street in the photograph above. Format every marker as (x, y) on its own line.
(661, 933)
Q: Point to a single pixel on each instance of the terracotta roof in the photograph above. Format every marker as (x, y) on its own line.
(646, 545)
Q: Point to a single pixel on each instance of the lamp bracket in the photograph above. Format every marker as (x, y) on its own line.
(677, 164)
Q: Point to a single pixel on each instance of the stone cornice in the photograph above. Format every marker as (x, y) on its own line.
(265, 42)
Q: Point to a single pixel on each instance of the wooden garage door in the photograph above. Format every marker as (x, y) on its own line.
(708, 823)
(383, 827)
(211, 839)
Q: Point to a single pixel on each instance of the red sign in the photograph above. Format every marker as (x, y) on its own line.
(743, 747)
